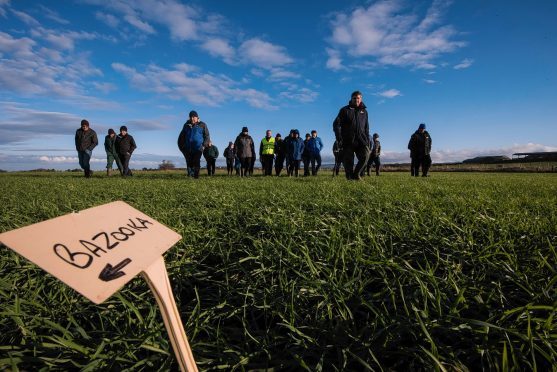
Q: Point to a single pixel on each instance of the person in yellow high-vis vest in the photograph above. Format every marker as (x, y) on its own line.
(267, 153)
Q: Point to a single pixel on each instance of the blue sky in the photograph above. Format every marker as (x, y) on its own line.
(481, 74)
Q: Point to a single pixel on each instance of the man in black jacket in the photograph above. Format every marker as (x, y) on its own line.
(420, 149)
(125, 145)
(85, 141)
(351, 128)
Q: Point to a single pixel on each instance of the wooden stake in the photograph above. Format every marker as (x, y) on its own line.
(157, 278)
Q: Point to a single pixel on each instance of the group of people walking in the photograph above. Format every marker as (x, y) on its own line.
(351, 129)
(274, 153)
(118, 148)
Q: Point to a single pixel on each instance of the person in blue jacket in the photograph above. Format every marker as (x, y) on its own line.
(294, 150)
(192, 140)
(315, 146)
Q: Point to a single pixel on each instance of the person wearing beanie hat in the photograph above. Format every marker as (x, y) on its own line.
(125, 146)
(420, 150)
(245, 150)
(230, 155)
(280, 153)
(192, 140)
(351, 127)
(85, 141)
(111, 153)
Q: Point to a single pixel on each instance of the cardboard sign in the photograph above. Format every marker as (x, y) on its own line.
(95, 251)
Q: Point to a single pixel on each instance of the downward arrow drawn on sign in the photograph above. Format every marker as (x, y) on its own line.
(110, 273)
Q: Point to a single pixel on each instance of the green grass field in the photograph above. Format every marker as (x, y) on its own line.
(454, 272)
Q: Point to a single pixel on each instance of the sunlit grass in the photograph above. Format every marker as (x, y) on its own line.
(457, 271)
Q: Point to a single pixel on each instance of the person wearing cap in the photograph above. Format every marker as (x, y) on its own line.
(351, 128)
(294, 151)
(280, 154)
(211, 153)
(111, 153)
(85, 141)
(315, 145)
(267, 153)
(420, 149)
(230, 155)
(192, 140)
(125, 146)
(245, 150)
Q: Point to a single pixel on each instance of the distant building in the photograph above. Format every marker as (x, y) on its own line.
(536, 156)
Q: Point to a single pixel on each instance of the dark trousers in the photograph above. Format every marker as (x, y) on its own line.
(306, 159)
(211, 166)
(193, 159)
(245, 166)
(423, 161)
(362, 154)
(315, 160)
(267, 162)
(125, 161)
(251, 165)
(338, 163)
(229, 166)
(293, 167)
(84, 159)
(189, 168)
(279, 163)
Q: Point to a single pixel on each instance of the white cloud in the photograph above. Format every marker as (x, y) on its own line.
(52, 15)
(104, 87)
(334, 62)
(28, 68)
(220, 48)
(3, 3)
(25, 18)
(197, 88)
(60, 159)
(429, 81)
(148, 125)
(180, 19)
(108, 19)
(467, 62)
(19, 124)
(279, 74)
(390, 93)
(264, 54)
(302, 95)
(139, 24)
(393, 35)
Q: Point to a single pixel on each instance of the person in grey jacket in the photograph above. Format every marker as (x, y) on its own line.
(85, 141)
(111, 154)
(125, 146)
(245, 150)
(351, 127)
